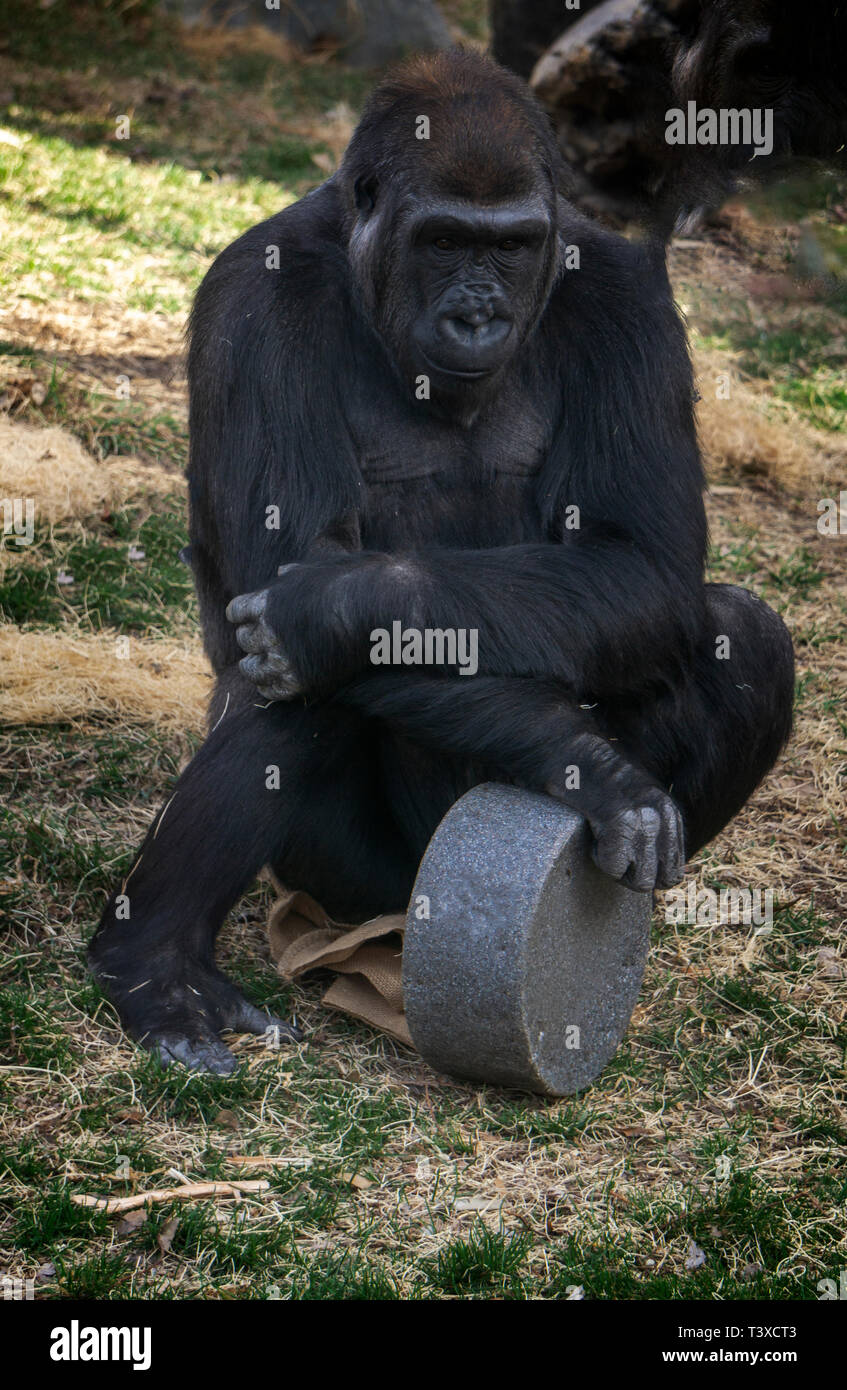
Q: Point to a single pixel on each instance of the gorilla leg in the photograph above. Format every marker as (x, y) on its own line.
(276, 784)
(344, 808)
(708, 740)
(713, 738)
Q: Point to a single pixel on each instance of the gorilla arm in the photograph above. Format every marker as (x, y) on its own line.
(605, 607)
(531, 731)
(597, 613)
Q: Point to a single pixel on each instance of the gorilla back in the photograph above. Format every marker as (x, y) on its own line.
(431, 394)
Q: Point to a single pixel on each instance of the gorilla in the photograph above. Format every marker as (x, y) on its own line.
(776, 54)
(772, 55)
(429, 397)
(631, 62)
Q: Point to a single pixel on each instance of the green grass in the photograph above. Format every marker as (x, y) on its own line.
(792, 339)
(487, 1263)
(109, 589)
(145, 227)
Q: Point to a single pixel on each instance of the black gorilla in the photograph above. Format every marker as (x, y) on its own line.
(774, 54)
(631, 62)
(432, 394)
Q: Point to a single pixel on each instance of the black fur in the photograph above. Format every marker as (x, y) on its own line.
(769, 54)
(596, 644)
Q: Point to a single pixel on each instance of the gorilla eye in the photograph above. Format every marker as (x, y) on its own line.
(444, 243)
(510, 244)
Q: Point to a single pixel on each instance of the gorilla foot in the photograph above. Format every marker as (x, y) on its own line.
(181, 1021)
(198, 1046)
(203, 1052)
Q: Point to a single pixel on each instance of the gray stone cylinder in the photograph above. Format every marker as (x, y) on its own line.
(528, 968)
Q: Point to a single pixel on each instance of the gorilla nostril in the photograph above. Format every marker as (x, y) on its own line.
(474, 334)
(477, 317)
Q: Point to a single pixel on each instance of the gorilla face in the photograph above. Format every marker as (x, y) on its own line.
(453, 287)
(449, 193)
(452, 231)
(474, 276)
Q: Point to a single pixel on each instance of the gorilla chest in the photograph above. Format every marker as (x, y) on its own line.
(426, 479)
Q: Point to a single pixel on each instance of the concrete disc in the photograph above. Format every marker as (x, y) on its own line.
(527, 969)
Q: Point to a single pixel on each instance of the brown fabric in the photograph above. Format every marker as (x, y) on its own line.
(368, 958)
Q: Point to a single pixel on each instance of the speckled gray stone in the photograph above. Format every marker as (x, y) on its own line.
(528, 968)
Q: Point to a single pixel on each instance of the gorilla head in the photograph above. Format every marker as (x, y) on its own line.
(450, 190)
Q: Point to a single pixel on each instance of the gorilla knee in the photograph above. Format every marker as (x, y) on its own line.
(749, 634)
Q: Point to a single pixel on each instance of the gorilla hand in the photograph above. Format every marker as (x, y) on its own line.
(307, 632)
(638, 831)
(642, 846)
(267, 664)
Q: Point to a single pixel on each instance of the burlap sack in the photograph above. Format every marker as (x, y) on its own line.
(368, 958)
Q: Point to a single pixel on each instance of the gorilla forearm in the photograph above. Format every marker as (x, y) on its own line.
(596, 617)
(525, 730)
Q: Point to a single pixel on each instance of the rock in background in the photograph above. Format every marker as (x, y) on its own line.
(606, 81)
(523, 30)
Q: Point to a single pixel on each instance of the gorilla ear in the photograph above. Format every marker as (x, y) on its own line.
(364, 192)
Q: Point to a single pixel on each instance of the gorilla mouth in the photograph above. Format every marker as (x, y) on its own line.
(460, 373)
(470, 351)
(463, 376)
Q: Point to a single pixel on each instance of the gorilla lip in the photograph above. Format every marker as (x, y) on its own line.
(450, 371)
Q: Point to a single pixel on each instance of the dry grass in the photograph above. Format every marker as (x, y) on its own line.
(71, 677)
(749, 435)
(700, 1076)
(65, 482)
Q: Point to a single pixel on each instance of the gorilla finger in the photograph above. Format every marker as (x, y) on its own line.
(609, 858)
(247, 607)
(614, 842)
(646, 867)
(642, 873)
(250, 637)
(278, 692)
(244, 1017)
(204, 1054)
(267, 668)
(672, 852)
